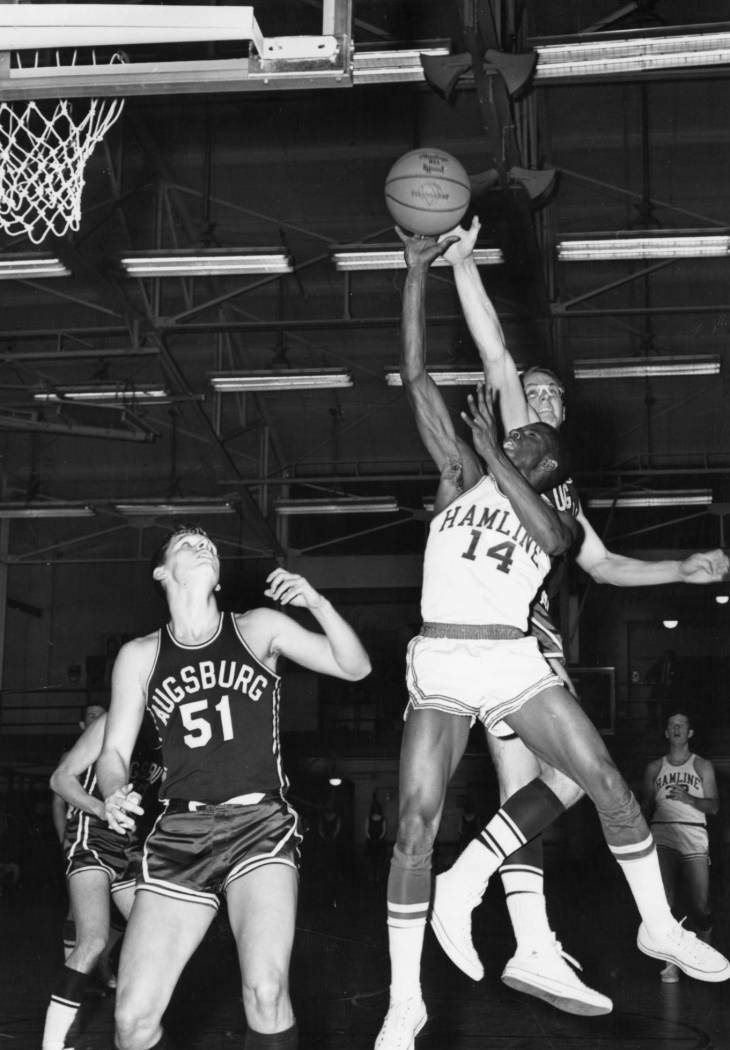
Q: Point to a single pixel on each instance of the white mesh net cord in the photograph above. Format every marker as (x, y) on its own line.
(44, 148)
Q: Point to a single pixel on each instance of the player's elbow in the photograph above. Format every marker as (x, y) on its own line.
(357, 669)
(559, 541)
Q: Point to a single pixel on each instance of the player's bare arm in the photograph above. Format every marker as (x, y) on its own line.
(65, 777)
(337, 652)
(555, 533)
(432, 417)
(131, 670)
(605, 566)
(500, 370)
(711, 801)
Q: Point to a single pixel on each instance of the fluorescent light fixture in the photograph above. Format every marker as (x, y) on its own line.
(102, 392)
(630, 367)
(189, 262)
(154, 508)
(672, 244)
(346, 505)
(335, 782)
(392, 258)
(45, 510)
(36, 264)
(443, 377)
(382, 66)
(656, 498)
(722, 599)
(670, 624)
(610, 56)
(281, 379)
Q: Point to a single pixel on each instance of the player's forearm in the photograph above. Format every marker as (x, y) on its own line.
(705, 805)
(536, 516)
(70, 790)
(619, 571)
(413, 364)
(479, 313)
(112, 771)
(346, 648)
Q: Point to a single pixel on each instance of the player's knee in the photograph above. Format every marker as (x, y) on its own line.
(416, 832)
(264, 998)
(136, 1028)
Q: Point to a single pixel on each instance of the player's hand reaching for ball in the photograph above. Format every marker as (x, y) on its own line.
(461, 242)
(288, 588)
(119, 808)
(421, 251)
(482, 422)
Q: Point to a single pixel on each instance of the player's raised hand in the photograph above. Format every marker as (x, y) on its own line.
(288, 588)
(482, 421)
(460, 248)
(707, 567)
(119, 807)
(421, 251)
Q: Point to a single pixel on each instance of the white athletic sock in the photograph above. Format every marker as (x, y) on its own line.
(640, 865)
(524, 895)
(405, 945)
(59, 1018)
(66, 995)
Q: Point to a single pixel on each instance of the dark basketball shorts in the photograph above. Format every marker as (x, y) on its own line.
(195, 850)
(91, 844)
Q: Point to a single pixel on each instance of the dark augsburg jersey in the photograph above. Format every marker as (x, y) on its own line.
(145, 774)
(216, 710)
(563, 498)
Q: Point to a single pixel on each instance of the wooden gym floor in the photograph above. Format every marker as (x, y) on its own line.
(340, 977)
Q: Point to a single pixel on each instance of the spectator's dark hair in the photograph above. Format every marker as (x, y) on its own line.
(679, 710)
(547, 372)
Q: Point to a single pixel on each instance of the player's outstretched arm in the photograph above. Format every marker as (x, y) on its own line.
(553, 532)
(429, 409)
(500, 371)
(65, 777)
(604, 566)
(126, 711)
(338, 651)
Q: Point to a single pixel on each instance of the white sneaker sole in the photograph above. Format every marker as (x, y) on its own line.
(712, 976)
(561, 996)
(467, 966)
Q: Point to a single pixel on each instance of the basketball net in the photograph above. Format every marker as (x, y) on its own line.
(44, 147)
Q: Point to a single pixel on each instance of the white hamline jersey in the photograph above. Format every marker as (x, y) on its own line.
(480, 565)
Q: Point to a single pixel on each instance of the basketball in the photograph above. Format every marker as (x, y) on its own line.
(427, 191)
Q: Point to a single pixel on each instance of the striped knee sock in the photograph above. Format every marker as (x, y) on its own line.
(409, 897)
(287, 1040)
(66, 995)
(522, 878)
(523, 816)
(640, 865)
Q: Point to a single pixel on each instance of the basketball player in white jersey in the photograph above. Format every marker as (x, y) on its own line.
(537, 967)
(488, 551)
(210, 683)
(680, 790)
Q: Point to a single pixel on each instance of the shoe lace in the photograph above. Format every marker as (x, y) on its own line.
(689, 940)
(564, 955)
(398, 1017)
